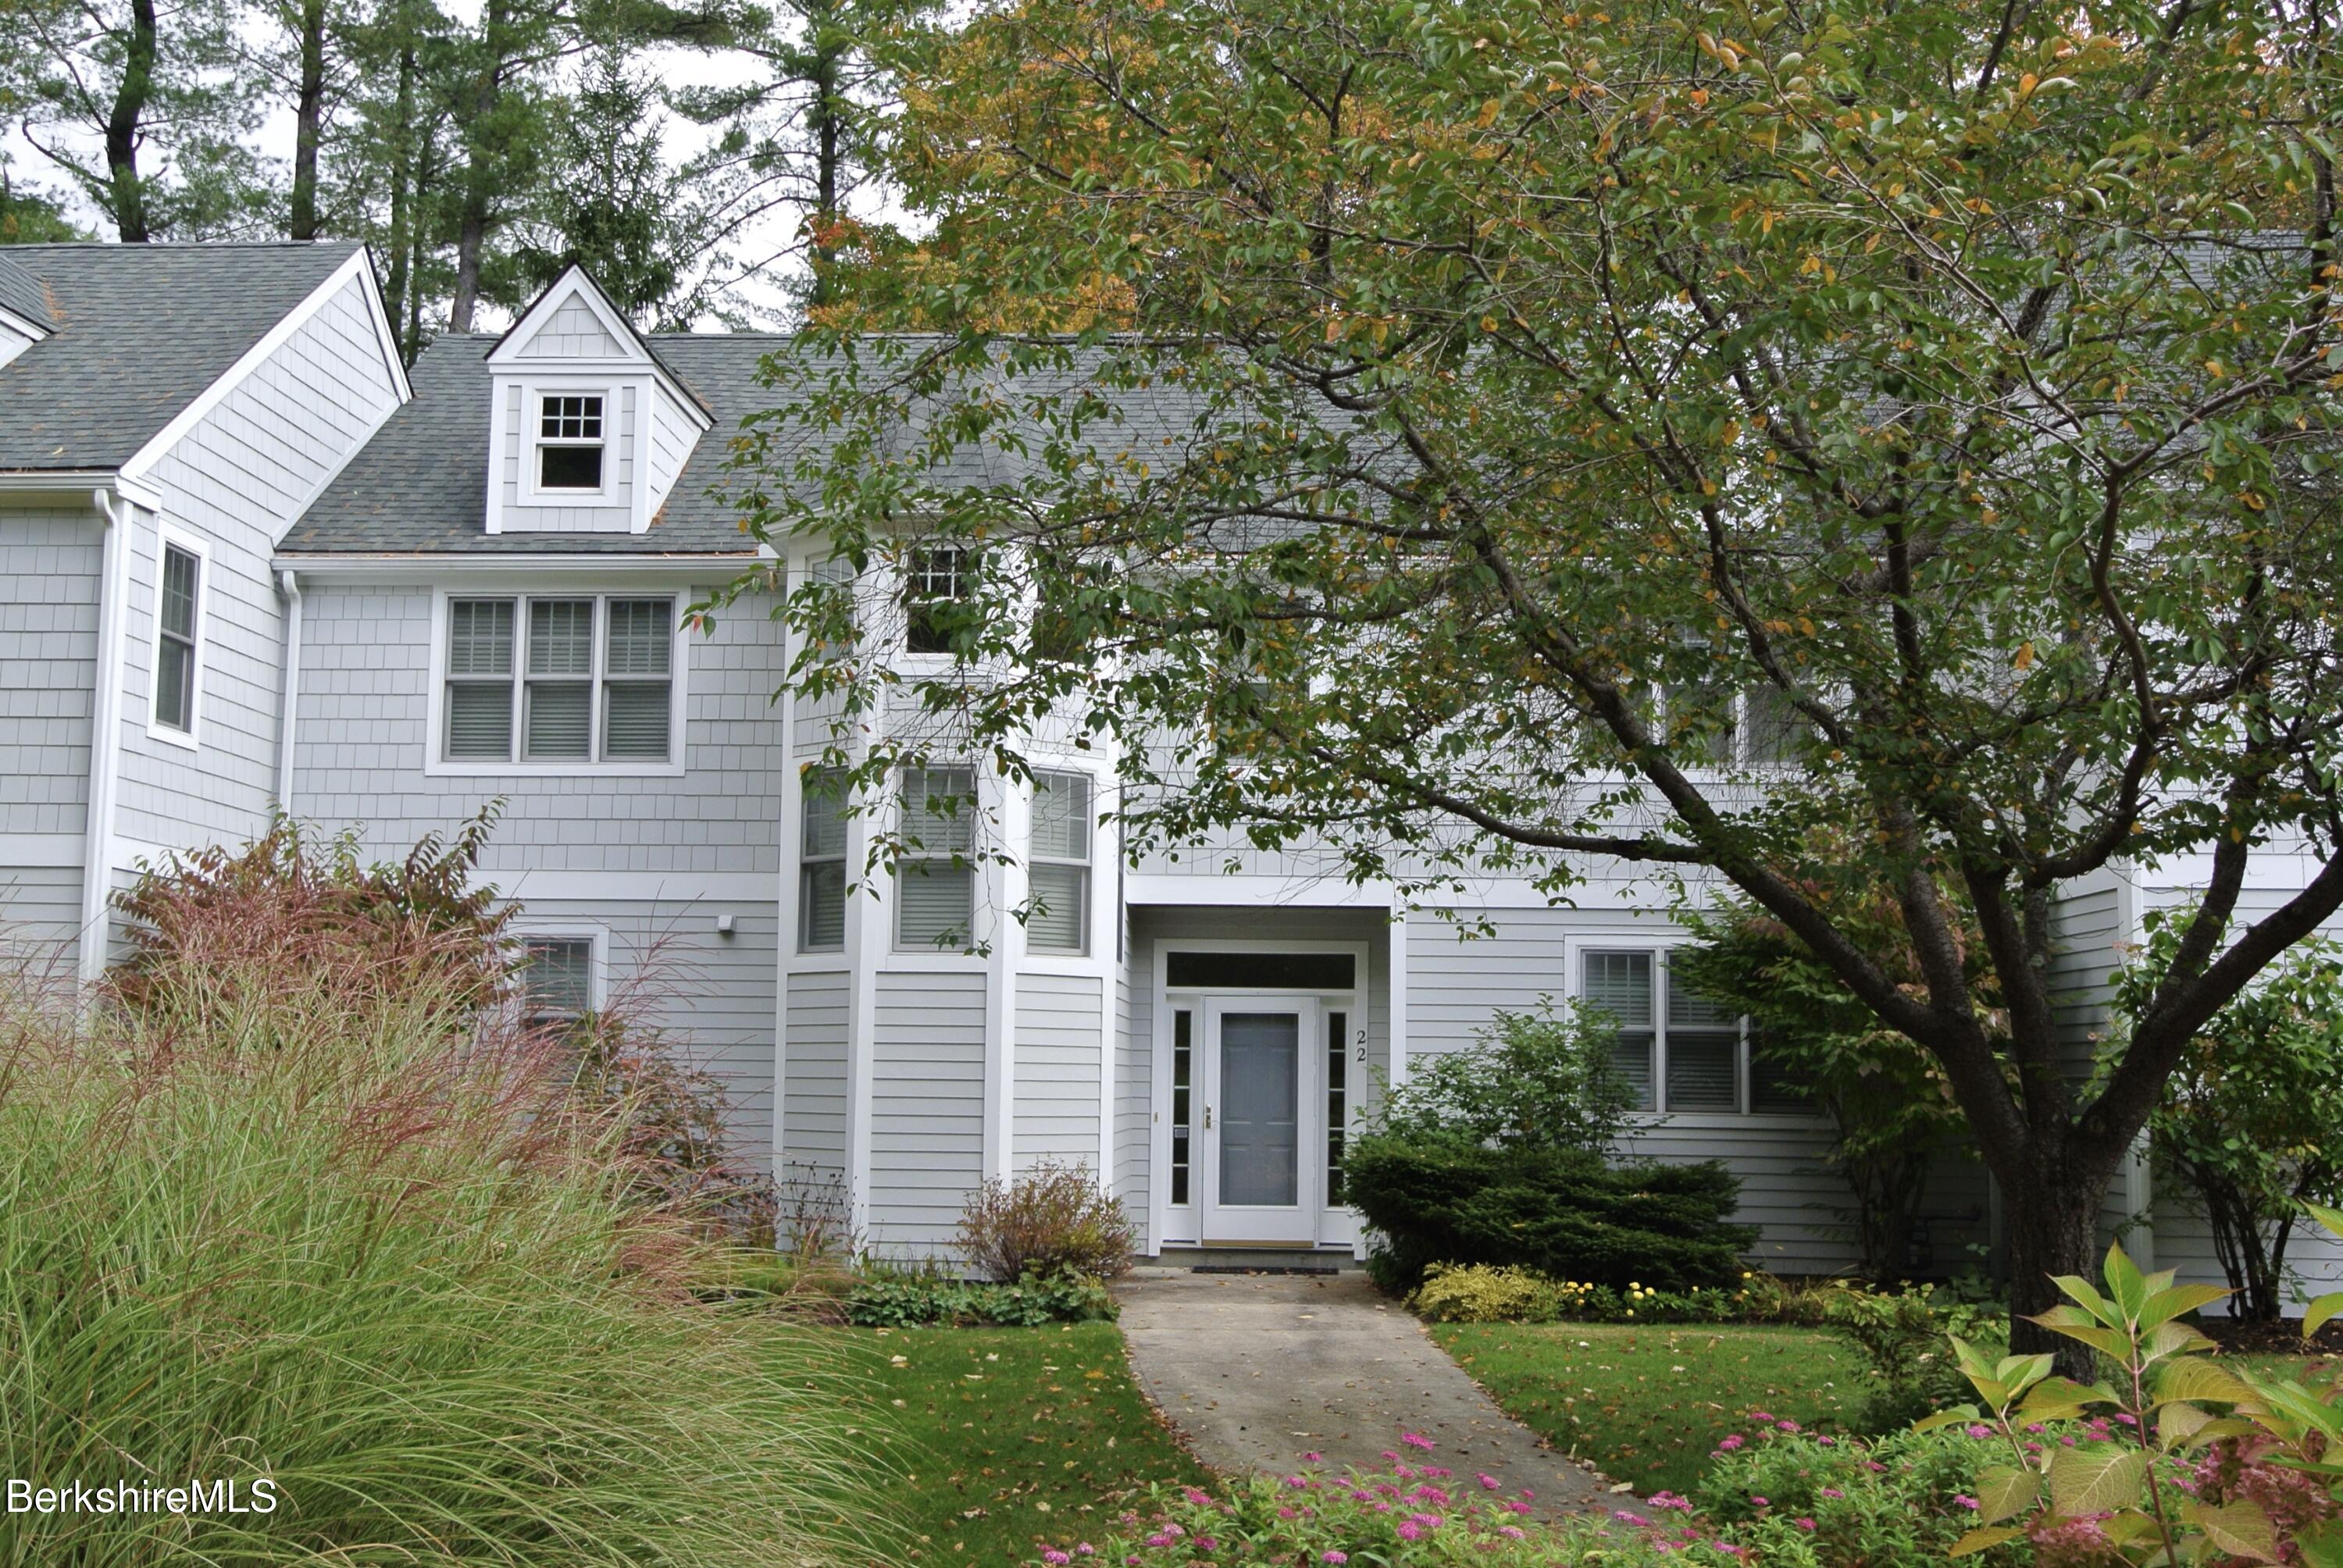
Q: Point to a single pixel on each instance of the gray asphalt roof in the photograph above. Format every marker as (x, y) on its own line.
(420, 485)
(20, 292)
(139, 331)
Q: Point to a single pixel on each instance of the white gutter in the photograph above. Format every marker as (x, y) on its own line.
(289, 585)
(77, 482)
(514, 563)
(104, 731)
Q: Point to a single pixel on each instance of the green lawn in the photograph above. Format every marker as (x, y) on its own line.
(1011, 1438)
(1648, 1404)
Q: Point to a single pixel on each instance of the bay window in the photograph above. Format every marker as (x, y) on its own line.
(935, 880)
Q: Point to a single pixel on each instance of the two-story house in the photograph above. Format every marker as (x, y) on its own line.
(250, 564)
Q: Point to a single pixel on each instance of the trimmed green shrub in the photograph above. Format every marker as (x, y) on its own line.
(1565, 1212)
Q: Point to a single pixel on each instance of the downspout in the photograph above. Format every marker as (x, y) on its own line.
(104, 736)
(290, 586)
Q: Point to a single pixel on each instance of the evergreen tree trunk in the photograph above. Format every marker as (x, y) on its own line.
(402, 200)
(828, 114)
(308, 121)
(480, 160)
(126, 191)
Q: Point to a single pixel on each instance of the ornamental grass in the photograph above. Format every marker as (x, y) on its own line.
(361, 1242)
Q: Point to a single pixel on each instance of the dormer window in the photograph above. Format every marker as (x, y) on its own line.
(569, 444)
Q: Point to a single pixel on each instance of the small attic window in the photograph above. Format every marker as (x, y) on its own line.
(570, 442)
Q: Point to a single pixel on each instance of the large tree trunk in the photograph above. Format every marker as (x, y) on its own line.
(126, 191)
(2050, 1218)
(308, 121)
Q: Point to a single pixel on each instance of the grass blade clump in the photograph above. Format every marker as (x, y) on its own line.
(291, 1225)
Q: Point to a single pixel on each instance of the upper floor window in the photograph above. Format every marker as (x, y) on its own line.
(1714, 725)
(569, 444)
(1677, 1049)
(936, 580)
(935, 881)
(559, 678)
(178, 639)
(1058, 867)
(821, 864)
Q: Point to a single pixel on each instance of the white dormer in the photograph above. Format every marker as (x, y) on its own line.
(588, 429)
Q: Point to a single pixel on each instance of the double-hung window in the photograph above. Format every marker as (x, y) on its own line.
(821, 864)
(556, 981)
(936, 580)
(177, 639)
(570, 442)
(1058, 871)
(1677, 1049)
(935, 881)
(551, 679)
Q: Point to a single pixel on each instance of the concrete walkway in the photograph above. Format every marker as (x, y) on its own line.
(1258, 1369)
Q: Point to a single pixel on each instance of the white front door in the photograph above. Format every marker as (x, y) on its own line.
(1261, 1132)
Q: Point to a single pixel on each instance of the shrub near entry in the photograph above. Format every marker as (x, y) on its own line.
(1563, 1212)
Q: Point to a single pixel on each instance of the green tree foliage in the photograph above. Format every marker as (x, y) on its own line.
(1639, 437)
(141, 109)
(1893, 1114)
(798, 134)
(614, 204)
(2251, 1116)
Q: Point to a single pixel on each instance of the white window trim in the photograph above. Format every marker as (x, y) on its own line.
(845, 804)
(1576, 951)
(924, 662)
(167, 538)
(437, 764)
(532, 412)
(1087, 919)
(597, 957)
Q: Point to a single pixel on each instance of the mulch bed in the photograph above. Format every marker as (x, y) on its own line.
(2283, 1337)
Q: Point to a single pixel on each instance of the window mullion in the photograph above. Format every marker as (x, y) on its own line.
(596, 652)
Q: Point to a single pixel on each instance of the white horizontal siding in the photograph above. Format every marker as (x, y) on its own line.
(1059, 1060)
(926, 1107)
(813, 1099)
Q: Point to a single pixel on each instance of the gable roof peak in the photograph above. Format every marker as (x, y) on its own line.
(580, 314)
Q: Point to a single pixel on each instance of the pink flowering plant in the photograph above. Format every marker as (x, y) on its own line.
(2170, 1459)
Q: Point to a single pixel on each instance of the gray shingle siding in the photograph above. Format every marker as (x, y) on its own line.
(363, 744)
(711, 995)
(49, 563)
(235, 481)
(137, 333)
(1455, 983)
